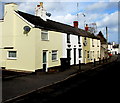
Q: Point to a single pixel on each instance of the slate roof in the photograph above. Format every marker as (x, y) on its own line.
(102, 38)
(54, 26)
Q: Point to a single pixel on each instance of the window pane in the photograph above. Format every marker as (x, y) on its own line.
(44, 57)
(54, 55)
(44, 35)
(68, 38)
(12, 54)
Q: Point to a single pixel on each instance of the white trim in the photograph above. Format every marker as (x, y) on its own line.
(24, 20)
(56, 55)
(1, 20)
(11, 58)
(44, 31)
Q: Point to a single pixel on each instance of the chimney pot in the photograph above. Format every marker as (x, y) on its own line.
(38, 5)
(86, 27)
(75, 24)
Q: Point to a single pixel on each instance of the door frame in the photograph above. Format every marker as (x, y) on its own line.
(45, 63)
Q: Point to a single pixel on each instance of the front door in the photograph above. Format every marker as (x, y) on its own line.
(44, 61)
(74, 56)
(69, 55)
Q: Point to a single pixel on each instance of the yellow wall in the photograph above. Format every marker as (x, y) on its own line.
(1, 43)
(29, 47)
(54, 43)
(93, 50)
(95, 46)
(85, 50)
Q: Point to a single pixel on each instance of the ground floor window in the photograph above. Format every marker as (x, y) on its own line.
(12, 54)
(88, 54)
(98, 54)
(54, 55)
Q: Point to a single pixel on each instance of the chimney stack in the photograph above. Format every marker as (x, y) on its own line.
(40, 11)
(86, 27)
(75, 24)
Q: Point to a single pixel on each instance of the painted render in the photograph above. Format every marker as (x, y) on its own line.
(91, 49)
(1, 42)
(86, 49)
(73, 45)
(95, 49)
(29, 46)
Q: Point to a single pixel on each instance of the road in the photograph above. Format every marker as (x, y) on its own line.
(103, 86)
(99, 85)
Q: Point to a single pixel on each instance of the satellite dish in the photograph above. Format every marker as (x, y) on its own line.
(27, 28)
(48, 14)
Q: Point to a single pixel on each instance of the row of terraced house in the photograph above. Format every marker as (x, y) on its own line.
(33, 42)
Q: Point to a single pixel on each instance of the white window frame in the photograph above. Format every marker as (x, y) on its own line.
(54, 54)
(46, 32)
(8, 56)
(97, 43)
(88, 54)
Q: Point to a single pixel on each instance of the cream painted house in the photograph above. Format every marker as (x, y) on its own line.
(33, 43)
(91, 48)
(25, 47)
(95, 49)
(1, 21)
(104, 47)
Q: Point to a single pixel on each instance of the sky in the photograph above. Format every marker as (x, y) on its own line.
(102, 12)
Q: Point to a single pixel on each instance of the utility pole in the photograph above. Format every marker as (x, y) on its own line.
(107, 37)
(106, 33)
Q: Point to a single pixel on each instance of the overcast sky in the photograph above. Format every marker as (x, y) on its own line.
(102, 12)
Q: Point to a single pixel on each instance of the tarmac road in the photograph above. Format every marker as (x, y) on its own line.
(103, 86)
(96, 85)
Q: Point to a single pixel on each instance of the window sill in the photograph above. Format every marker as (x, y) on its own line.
(44, 40)
(11, 58)
(54, 60)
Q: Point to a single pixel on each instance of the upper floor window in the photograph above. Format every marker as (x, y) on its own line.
(97, 43)
(85, 41)
(92, 42)
(44, 35)
(12, 54)
(88, 55)
(68, 38)
(78, 39)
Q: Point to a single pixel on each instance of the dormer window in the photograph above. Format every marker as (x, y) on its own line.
(68, 38)
(44, 35)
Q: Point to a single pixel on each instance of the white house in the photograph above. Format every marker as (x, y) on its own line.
(113, 48)
(73, 45)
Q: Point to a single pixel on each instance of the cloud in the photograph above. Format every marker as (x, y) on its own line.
(103, 13)
(102, 7)
(110, 20)
(114, 0)
(54, 0)
(67, 19)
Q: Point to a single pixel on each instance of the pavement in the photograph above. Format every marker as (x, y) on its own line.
(18, 86)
